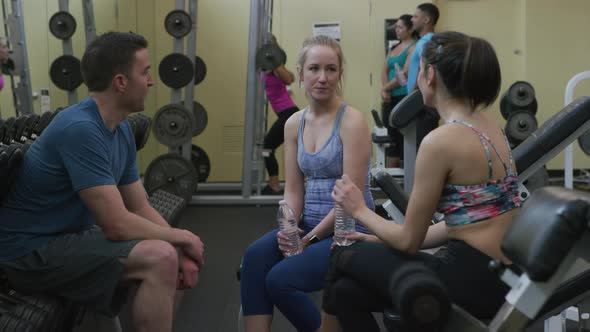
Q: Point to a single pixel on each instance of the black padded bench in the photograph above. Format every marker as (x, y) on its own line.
(547, 241)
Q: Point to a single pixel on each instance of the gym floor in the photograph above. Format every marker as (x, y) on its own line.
(213, 305)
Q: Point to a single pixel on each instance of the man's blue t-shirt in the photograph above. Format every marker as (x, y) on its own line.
(415, 61)
(76, 151)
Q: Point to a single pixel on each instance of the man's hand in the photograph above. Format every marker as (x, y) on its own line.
(193, 248)
(188, 276)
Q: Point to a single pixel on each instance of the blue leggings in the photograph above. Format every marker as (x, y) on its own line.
(268, 279)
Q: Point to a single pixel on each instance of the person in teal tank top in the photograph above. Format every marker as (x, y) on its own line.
(394, 84)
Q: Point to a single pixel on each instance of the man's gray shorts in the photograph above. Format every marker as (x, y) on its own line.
(83, 267)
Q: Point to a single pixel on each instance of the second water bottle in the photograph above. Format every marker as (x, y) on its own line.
(343, 226)
(288, 226)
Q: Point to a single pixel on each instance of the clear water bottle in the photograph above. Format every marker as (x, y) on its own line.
(401, 76)
(288, 226)
(343, 226)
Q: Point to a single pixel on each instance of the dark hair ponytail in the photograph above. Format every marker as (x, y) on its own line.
(468, 66)
(407, 19)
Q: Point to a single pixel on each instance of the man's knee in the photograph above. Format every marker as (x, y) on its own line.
(153, 257)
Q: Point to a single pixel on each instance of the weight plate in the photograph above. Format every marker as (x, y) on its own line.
(520, 125)
(201, 162)
(506, 108)
(178, 23)
(201, 118)
(171, 173)
(140, 124)
(176, 70)
(200, 70)
(65, 72)
(584, 141)
(62, 25)
(270, 56)
(173, 125)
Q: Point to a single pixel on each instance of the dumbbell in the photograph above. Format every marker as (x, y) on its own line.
(36, 317)
(5, 130)
(43, 122)
(10, 160)
(420, 298)
(51, 308)
(21, 128)
(13, 323)
(30, 126)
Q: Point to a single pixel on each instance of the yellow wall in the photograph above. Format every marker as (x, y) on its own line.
(541, 41)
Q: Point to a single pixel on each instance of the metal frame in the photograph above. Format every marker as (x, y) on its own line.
(254, 122)
(89, 23)
(176, 94)
(68, 50)
(15, 32)
(569, 151)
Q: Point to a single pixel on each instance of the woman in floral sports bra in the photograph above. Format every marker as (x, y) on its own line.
(465, 170)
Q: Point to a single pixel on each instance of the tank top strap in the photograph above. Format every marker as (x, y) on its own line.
(339, 118)
(302, 122)
(409, 46)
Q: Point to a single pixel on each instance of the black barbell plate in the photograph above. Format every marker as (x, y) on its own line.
(173, 125)
(171, 173)
(65, 72)
(140, 124)
(201, 162)
(178, 23)
(201, 118)
(200, 70)
(520, 125)
(62, 25)
(506, 108)
(176, 70)
(519, 96)
(270, 56)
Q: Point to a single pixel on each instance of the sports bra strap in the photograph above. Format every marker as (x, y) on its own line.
(483, 138)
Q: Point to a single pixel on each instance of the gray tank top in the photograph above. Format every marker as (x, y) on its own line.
(321, 169)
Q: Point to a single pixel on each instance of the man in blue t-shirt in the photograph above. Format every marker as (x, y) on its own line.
(424, 20)
(79, 224)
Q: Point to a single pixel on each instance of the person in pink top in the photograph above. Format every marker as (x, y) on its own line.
(275, 85)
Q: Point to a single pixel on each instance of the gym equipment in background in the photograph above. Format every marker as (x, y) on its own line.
(14, 28)
(65, 70)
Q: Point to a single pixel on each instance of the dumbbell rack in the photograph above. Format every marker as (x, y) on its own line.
(15, 31)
